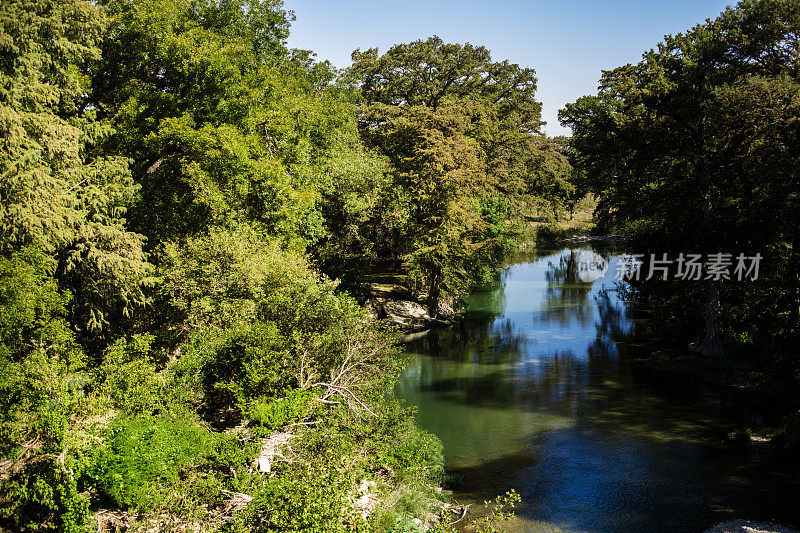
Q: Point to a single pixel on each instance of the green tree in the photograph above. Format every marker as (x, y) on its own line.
(242, 131)
(458, 130)
(57, 192)
(660, 146)
(174, 157)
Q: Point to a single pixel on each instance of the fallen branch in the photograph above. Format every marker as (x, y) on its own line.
(464, 509)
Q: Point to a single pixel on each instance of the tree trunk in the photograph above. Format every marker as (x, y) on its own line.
(435, 292)
(712, 343)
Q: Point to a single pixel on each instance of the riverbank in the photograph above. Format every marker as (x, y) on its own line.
(540, 231)
(692, 369)
(749, 526)
(774, 423)
(387, 296)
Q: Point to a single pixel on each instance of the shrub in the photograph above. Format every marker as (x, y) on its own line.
(38, 490)
(273, 414)
(32, 309)
(250, 364)
(301, 499)
(146, 456)
(128, 376)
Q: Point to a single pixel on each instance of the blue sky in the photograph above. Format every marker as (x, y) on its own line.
(568, 42)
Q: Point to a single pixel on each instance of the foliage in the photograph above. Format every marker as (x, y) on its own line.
(145, 457)
(56, 193)
(250, 364)
(695, 148)
(127, 375)
(460, 131)
(498, 512)
(31, 307)
(178, 188)
(41, 374)
(39, 469)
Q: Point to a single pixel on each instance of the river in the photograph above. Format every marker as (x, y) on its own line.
(534, 391)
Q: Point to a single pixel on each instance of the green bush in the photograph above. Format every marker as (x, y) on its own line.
(146, 456)
(41, 386)
(403, 524)
(183, 377)
(273, 414)
(32, 308)
(44, 497)
(301, 499)
(250, 364)
(128, 376)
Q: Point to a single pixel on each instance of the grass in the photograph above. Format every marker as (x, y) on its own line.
(543, 232)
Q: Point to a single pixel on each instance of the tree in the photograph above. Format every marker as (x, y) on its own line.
(57, 193)
(655, 145)
(189, 130)
(460, 131)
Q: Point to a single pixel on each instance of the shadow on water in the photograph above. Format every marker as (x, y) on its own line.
(532, 392)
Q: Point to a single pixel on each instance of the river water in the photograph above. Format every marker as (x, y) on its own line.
(533, 391)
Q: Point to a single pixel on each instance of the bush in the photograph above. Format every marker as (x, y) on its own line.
(274, 414)
(32, 309)
(128, 376)
(146, 456)
(250, 364)
(301, 499)
(44, 497)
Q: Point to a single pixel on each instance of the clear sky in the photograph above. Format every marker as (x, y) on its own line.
(567, 42)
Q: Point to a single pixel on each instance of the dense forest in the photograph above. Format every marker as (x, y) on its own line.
(190, 209)
(183, 200)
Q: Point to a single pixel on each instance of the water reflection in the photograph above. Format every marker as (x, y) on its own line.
(531, 391)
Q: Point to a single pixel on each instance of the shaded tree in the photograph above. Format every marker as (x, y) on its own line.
(661, 148)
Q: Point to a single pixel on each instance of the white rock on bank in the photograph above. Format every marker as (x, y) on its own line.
(749, 526)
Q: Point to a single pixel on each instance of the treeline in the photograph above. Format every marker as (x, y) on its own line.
(180, 192)
(695, 149)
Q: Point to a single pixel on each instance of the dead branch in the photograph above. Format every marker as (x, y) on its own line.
(356, 371)
(464, 509)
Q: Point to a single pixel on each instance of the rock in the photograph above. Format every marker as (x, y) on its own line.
(271, 450)
(749, 526)
(405, 312)
(430, 522)
(365, 501)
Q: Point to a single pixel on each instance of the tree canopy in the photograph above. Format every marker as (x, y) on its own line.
(461, 132)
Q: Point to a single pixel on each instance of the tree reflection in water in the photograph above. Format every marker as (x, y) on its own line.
(532, 391)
